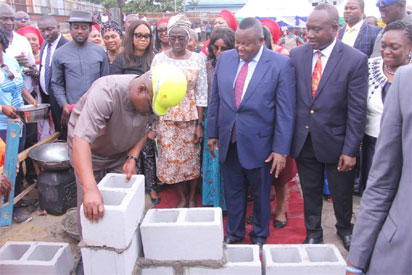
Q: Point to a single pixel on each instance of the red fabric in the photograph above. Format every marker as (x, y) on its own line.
(96, 27)
(229, 18)
(30, 29)
(163, 20)
(205, 47)
(273, 28)
(288, 173)
(293, 233)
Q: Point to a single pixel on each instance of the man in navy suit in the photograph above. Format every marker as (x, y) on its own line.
(332, 83)
(49, 29)
(250, 119)
(358, 33)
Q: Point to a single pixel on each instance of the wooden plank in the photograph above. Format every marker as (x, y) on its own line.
(24, 154)
(24, 193)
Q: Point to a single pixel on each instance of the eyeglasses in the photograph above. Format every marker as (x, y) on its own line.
(161, 30)
(179, 38)
(22, 18)
(141, 35)
(219, 48)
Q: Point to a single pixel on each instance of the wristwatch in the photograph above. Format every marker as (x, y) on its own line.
(132, 157)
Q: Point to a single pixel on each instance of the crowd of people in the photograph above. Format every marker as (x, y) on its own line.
(236, 116)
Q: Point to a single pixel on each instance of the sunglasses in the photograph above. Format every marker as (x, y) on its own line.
(141, 35)
(22, 18)
(222, 49)
(161, 30)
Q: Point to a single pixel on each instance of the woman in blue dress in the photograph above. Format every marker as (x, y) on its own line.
(222, 39)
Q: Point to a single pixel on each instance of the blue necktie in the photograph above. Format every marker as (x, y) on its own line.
(47, 75)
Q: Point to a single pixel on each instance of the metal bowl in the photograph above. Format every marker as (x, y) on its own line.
(51, 156)
(33, 113)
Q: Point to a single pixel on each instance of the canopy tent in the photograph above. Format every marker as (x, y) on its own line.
(270, 8)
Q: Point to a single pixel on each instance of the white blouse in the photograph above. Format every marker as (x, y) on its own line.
(377, 80)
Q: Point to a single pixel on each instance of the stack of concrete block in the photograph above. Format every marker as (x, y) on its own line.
(241, 260)
(316, 259)
(183, 234)
(112, 245)
(36, 258)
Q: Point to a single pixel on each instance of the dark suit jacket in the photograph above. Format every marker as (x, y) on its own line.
(335, 117)
(265, 117)
(366, 38)
(61, 42)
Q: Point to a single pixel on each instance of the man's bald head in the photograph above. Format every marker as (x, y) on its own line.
(49, 28)
(141, 93)
(6, 10)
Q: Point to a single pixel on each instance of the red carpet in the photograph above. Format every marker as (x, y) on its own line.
(293, 233)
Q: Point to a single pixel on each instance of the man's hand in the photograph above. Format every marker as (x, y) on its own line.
(93, 204)
(212, 144)
(278, 163)
(129, 168)
(22, 60)
(346, 163)
(5, 186)
(65, 114)
(9, 111)
(152, 135)
(198, 134)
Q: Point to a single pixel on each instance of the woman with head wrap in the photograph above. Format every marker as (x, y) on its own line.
(33, 35)
(224, 19)
(136, 58)
(112, 37)
(222, 39)
(95, 35)
(180, 132)
(275, 34)
(162, 39)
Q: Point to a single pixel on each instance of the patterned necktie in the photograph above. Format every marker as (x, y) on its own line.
(47, 75)
(240, 83)
(317, 73)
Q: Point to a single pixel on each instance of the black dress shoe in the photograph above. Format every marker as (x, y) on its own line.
(280, 224)
(311, 240)
(231, 240)
(346, 240)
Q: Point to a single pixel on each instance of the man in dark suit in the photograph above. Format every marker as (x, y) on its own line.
(358, 33)
(332, 83)
(251, 117)
(50, 30)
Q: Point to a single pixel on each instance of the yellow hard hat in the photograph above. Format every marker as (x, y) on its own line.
(169, 87)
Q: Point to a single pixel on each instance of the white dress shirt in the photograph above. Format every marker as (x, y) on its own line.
(250, 69)
(326, 52)
(43, 62)
(351, 33)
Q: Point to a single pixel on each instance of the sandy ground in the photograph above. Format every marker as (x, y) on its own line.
(49, 228)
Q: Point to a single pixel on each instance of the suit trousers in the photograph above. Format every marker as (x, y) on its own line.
(340, 185)
(237, 180)
(368, 151)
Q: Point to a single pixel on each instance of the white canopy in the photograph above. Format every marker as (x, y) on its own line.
(275, 8)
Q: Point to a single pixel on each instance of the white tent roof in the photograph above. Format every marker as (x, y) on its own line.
(275, 8)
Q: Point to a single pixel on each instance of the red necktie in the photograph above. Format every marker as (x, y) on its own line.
(240, 83)
(317, 73)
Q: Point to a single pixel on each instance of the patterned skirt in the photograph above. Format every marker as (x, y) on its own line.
(178, 154)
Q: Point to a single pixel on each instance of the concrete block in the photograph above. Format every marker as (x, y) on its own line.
(317, 259)
(158, 270)
(100, 261)
(183, 234)
(124, 208)
(36, 258)
(241, 260)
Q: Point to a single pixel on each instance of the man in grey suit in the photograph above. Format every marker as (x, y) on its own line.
(381, 241)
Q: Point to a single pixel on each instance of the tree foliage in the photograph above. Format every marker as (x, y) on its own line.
(136, 6)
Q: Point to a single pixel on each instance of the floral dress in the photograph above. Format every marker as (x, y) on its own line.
(178, 154)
